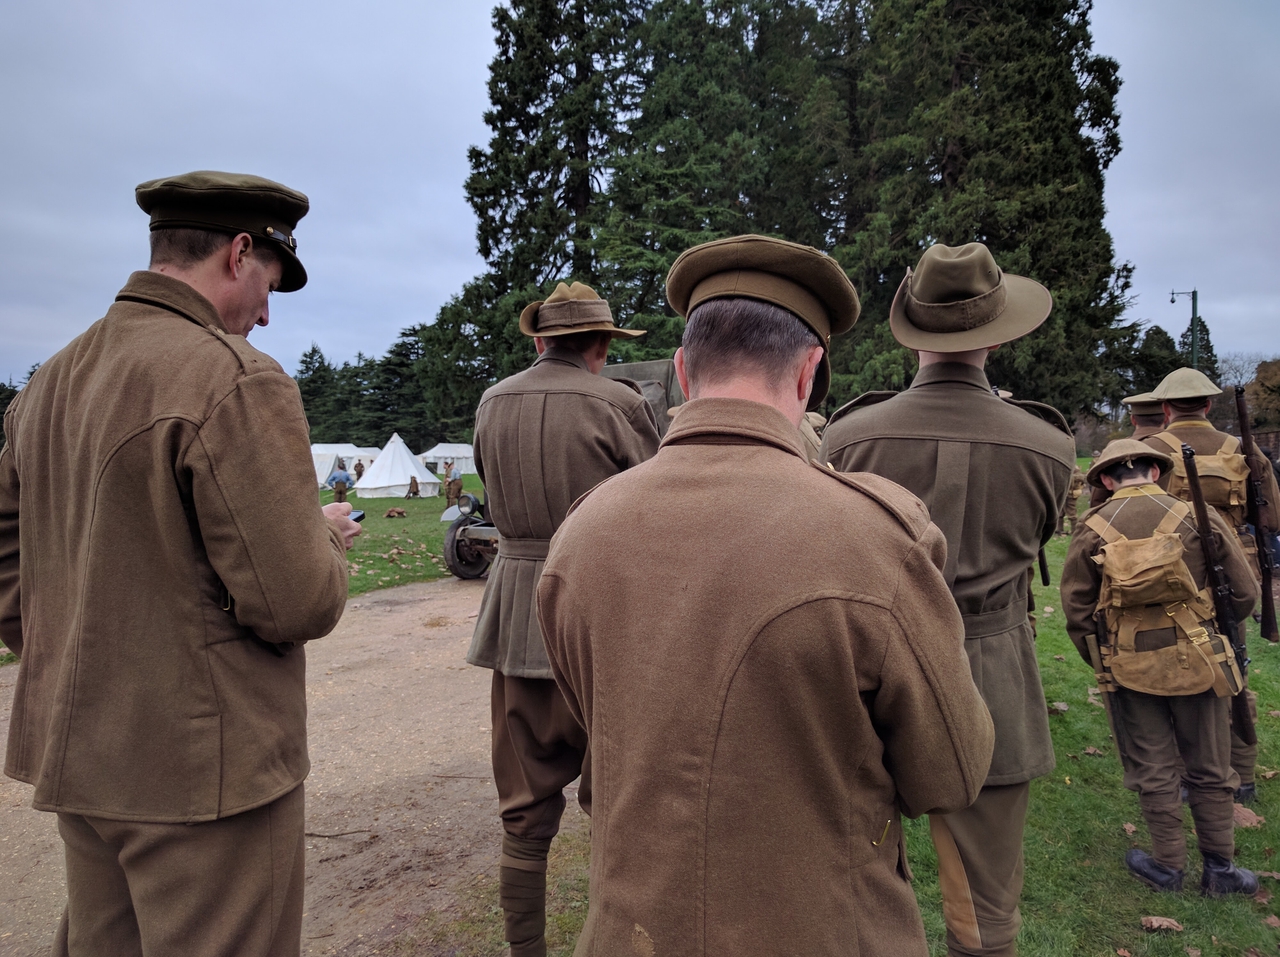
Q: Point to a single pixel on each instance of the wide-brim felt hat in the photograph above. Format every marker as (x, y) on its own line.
(1185, 383)
(1145, 403)
(957, 299)
(232, 203)
(571, 309)
(1127, 451)
(805, 281)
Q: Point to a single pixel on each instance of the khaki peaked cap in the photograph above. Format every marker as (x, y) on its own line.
(571, 309)
(806, 282)
(1185, 383)
(231, 203)
(1144, 404)
(957, 299)
(1127, 451)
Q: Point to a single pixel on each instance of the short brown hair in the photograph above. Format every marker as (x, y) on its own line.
(579, 342)
(1188, 405)
(725, 335)
(1147, 419)
(185, 247)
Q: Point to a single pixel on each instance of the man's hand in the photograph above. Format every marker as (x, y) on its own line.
(337, 513)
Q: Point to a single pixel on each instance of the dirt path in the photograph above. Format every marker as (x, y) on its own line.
(400, 802)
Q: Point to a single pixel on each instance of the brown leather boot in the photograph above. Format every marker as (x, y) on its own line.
(522, 892)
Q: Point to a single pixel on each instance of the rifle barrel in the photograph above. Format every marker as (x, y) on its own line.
(1261, 534)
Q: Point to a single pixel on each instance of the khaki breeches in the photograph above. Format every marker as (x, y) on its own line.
(980, 870)
(1154, 732)
(452, 491)
(538, 749)
(226, 888)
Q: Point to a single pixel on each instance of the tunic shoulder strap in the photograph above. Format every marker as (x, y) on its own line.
(1042, 410)
(1170, 441)
(1104, 529)
(861, 402)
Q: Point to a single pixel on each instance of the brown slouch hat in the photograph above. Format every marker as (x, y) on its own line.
(570, 309)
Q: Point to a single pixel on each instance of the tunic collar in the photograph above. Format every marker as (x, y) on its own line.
(754, 421)
(960, 372)
(1133, 491)
(157, 289)
(1190, 424)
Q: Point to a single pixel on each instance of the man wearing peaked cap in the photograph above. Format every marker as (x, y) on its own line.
(758, 728)
(543, 437)
(995, 480)
(1146, 413)
(1185, 396)
(161, 710)
(1166, 707)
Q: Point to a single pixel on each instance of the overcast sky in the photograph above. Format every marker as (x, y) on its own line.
(370, 108)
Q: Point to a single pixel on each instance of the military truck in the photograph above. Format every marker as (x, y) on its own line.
(471, 541)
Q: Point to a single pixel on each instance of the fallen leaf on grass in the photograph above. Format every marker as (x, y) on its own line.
(1096, 703)
(1129, 828)
(1192, 951)
(1067, 779)
(1048, 610)
(1268, 775)
(1059, 657)
(1091, 750)
(1273, 714)
(1263, 896)
(1074, 757)
(1271, 920)
(1059, 707)
(1253, 952)
(1160, 923)
(1121, 952)
(1246, 818)
(1271, 874)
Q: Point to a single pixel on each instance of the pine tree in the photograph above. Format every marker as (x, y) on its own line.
(1155, 357)
(991, 123)
(1206, 358)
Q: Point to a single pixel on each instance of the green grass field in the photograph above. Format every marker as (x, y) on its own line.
(396, 551)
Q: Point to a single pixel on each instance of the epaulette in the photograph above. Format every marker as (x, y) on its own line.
(892, 497)
(632, 383)
(861, 402)
(1046, 412)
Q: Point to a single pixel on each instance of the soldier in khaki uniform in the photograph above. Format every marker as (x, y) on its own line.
(1070, 510)
(994, 479)
(543, 437)
(160, 708)
(1164, 708)
(1185, 396)
(771, 672)
(1147, 415)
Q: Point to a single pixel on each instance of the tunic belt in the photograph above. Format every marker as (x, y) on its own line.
(532, 548)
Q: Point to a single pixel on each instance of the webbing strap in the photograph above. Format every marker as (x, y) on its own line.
(1172, 441)
(1096, 523)
(1174, 517)
(1231, 446)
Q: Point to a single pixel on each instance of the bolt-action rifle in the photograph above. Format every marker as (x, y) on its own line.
(1241, 720)
(1106, 683)
(1261, 534)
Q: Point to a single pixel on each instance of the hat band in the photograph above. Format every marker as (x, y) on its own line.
(573, 312)
(767, 287)
(961, 316)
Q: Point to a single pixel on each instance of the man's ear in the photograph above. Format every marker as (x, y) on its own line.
(808, 369)
(682, 375)
(238, 254)
(540, 344)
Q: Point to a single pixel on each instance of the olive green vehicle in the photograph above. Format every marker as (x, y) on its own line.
(471, 542)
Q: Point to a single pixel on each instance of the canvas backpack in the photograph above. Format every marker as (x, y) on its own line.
(1147, 588)
(1224, 476)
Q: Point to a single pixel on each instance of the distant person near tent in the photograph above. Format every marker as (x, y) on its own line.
(453, 482)
(340, 481)
(414, 490)
(359, 470)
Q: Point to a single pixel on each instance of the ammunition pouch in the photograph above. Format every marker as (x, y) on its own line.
(1161, 637)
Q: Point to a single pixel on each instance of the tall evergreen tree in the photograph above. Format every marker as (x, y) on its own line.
(983, 122)
(1206, 358)
(1155, 357)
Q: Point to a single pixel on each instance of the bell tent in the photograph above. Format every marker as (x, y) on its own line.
(388, 476)
(459, 453)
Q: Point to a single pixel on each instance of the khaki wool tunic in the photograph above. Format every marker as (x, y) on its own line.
(161, 543)
(770, 672)
(994, 478)
(543, 438)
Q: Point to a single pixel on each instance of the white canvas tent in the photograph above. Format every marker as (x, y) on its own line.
(330, 452)
(389, 475)
(325, 463)
(463, 457)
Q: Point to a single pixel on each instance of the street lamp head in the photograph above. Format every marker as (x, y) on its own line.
(1173, 297)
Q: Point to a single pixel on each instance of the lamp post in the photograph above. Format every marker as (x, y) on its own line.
(1195, 323)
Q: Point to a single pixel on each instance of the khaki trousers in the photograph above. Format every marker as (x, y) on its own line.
(226, 888)
(980, 870)
(538, 749)
(1154, 731)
